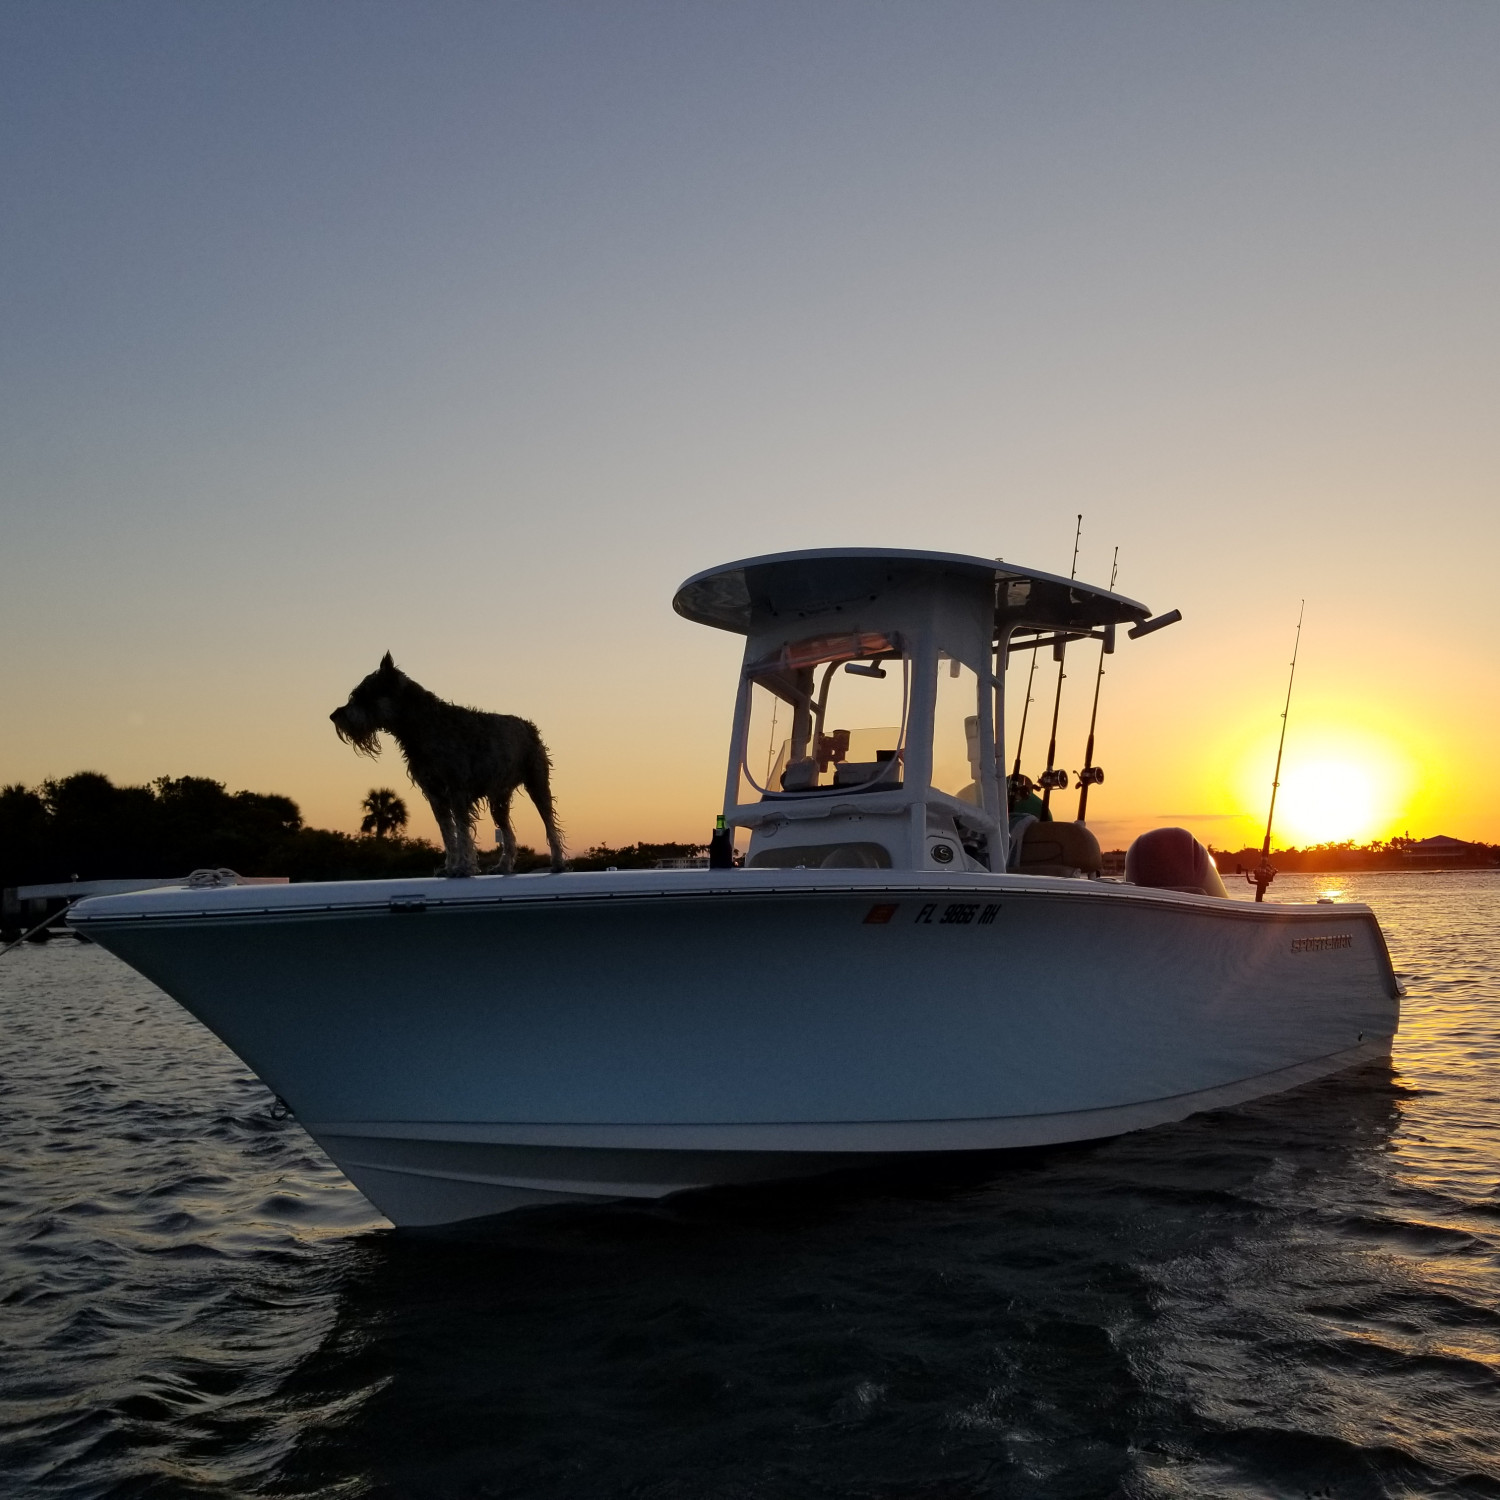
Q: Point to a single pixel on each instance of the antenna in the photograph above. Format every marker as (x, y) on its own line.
(1092, 775)
(1050, 778)
(1265, 873)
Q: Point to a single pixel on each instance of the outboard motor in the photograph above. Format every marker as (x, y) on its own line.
(1171, 859)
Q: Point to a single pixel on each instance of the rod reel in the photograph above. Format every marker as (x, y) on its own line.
(1090, 776)
(1053, 781)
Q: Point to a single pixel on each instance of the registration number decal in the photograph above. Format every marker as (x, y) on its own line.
(959, 913)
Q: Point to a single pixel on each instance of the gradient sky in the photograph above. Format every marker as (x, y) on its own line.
(468, 331)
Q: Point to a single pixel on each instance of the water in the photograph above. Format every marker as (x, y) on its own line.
(1296, 1298)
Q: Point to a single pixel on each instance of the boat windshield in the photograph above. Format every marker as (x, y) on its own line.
(826, 713)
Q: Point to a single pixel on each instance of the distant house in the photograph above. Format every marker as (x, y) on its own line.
(1440, 850)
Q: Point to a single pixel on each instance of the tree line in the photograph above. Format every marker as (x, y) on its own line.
(85, 826)
(1347, 856)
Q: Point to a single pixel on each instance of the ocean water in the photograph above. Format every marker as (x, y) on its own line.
(1300, 1297)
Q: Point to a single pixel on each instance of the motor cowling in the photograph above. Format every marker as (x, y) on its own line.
(1171, 859)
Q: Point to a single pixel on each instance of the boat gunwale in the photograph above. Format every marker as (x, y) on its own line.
(400, 898)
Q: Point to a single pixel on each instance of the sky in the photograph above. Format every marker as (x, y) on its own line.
(468, 331)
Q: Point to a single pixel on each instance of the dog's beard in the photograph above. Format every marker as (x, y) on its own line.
(366, 739)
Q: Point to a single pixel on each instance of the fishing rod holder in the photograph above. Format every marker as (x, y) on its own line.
(1146, 627)
(1105, 635)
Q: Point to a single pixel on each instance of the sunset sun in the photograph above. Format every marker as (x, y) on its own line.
(1326, 801)
(1335, 786)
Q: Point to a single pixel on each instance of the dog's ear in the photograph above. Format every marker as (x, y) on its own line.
(387, 666)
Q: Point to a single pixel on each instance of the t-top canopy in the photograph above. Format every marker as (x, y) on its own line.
(742, 596)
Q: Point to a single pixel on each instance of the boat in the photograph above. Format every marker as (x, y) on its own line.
(879, 964)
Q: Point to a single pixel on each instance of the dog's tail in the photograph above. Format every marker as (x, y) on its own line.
(537, 779)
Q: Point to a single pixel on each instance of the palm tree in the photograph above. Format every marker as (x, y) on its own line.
(385, 813)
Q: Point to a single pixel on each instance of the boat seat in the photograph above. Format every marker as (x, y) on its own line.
(1056, 849)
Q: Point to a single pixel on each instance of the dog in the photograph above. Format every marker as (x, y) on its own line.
(458, 758)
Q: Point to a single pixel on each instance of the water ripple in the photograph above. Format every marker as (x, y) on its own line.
(1300, 1297)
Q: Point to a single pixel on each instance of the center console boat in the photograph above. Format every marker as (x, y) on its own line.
(887, 973)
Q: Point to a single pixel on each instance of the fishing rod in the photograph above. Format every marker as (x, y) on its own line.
(32, 932)
(1092, 775)
(1051, 778)
(1015, 770)
(1265, 873)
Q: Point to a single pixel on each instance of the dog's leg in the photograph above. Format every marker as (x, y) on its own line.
(539, 789)
(500, 811)
(463, 837)
(447, 827)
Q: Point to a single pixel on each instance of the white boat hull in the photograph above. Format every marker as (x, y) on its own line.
(461, 1048)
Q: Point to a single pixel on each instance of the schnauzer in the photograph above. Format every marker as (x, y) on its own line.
(458, 758)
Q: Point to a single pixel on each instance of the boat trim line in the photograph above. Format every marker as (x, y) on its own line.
(1002, 1132)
